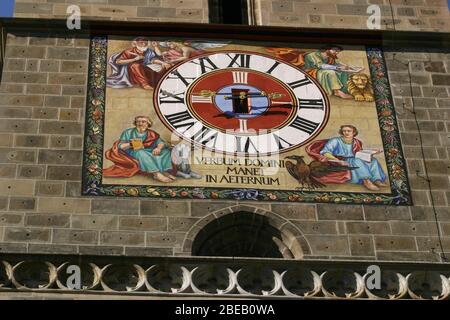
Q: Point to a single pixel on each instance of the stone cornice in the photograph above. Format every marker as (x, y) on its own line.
(184, 277)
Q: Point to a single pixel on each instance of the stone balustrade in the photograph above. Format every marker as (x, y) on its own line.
(224, 277)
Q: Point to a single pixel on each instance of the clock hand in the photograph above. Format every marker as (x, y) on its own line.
(242, 95)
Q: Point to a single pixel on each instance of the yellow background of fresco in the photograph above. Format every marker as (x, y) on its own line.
(122, 105)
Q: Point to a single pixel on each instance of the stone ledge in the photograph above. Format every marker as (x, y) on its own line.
(220, 277)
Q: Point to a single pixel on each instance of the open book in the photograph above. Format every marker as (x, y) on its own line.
(366, 154)
(353, 69)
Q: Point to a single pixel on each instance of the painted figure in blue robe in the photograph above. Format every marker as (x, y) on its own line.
(140, 150)
(342, 150)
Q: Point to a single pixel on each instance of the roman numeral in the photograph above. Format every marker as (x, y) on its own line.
(299, 83)
(273, 67)
(167, 97)
(180, 77)
(310, 103)
(248, 143)
(304, 125)
(279, 141)
(200, 135)
(175, 119)
(201, 99)
(240, 77)
(205, 64)
(243, 125)
(240, 60)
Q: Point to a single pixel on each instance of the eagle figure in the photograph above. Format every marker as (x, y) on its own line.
(306, 174)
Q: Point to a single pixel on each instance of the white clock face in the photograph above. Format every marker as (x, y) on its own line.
(241, 103)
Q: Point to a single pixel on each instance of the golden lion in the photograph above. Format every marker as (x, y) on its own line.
(360, 87)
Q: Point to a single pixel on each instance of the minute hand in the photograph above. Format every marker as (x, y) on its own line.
(242, 95)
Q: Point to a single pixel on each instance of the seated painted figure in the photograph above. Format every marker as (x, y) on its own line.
(140, 150)
(342, 150)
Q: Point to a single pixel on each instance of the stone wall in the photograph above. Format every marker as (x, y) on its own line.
(406, 15)
(423, 15)
(42, 101)
(136, 10)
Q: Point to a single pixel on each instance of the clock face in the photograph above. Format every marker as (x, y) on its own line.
(241, 103)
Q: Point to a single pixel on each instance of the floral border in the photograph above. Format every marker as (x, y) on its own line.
(93, 149)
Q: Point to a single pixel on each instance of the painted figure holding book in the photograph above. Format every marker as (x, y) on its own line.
(348, 150)
(140, 150)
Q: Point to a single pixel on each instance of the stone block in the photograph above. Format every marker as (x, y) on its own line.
(7, 170)
(66, 157)
(67, 79)
(115, 206)
(122, 238)
(407, 256)
(64, 205)
(61, 236)
(57, 101)
(8, 155)
(69, 173)
(24, 77)
(143, 223)
(13, 247)
(47, 220)
(25, 52)
(203, 208)
(385, 213)
(434, 66)
(101, 250)
(441, 79)
(21, 204)
(73, 189)
(177, 224)
(59, 142)
(148, 252)
(27, 234)
(368, 228)
(96, 222)
(14, 64)
(31, 171)
(29, 141)
(69, 114)
(164, 208)
(321, 227)
(61, 53)
(18, 126)
(296, 211)
(11, 219)
(170, 239)
(339, 212)
(73, 91)
(45, 113)
(328, 245)
(361, 245)
(52, 249)
(50, 65)
(15, 112)
(156, 12)
(413, 228)
(49, 188)
(74, 66)
(395, 243)
(58, 127)
(16, 187)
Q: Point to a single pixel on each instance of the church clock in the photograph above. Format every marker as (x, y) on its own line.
(238, 102)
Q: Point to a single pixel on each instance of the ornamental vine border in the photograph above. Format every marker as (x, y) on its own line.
(94, 134)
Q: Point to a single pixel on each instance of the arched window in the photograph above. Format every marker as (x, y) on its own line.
(228, 11)
(241, 234)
